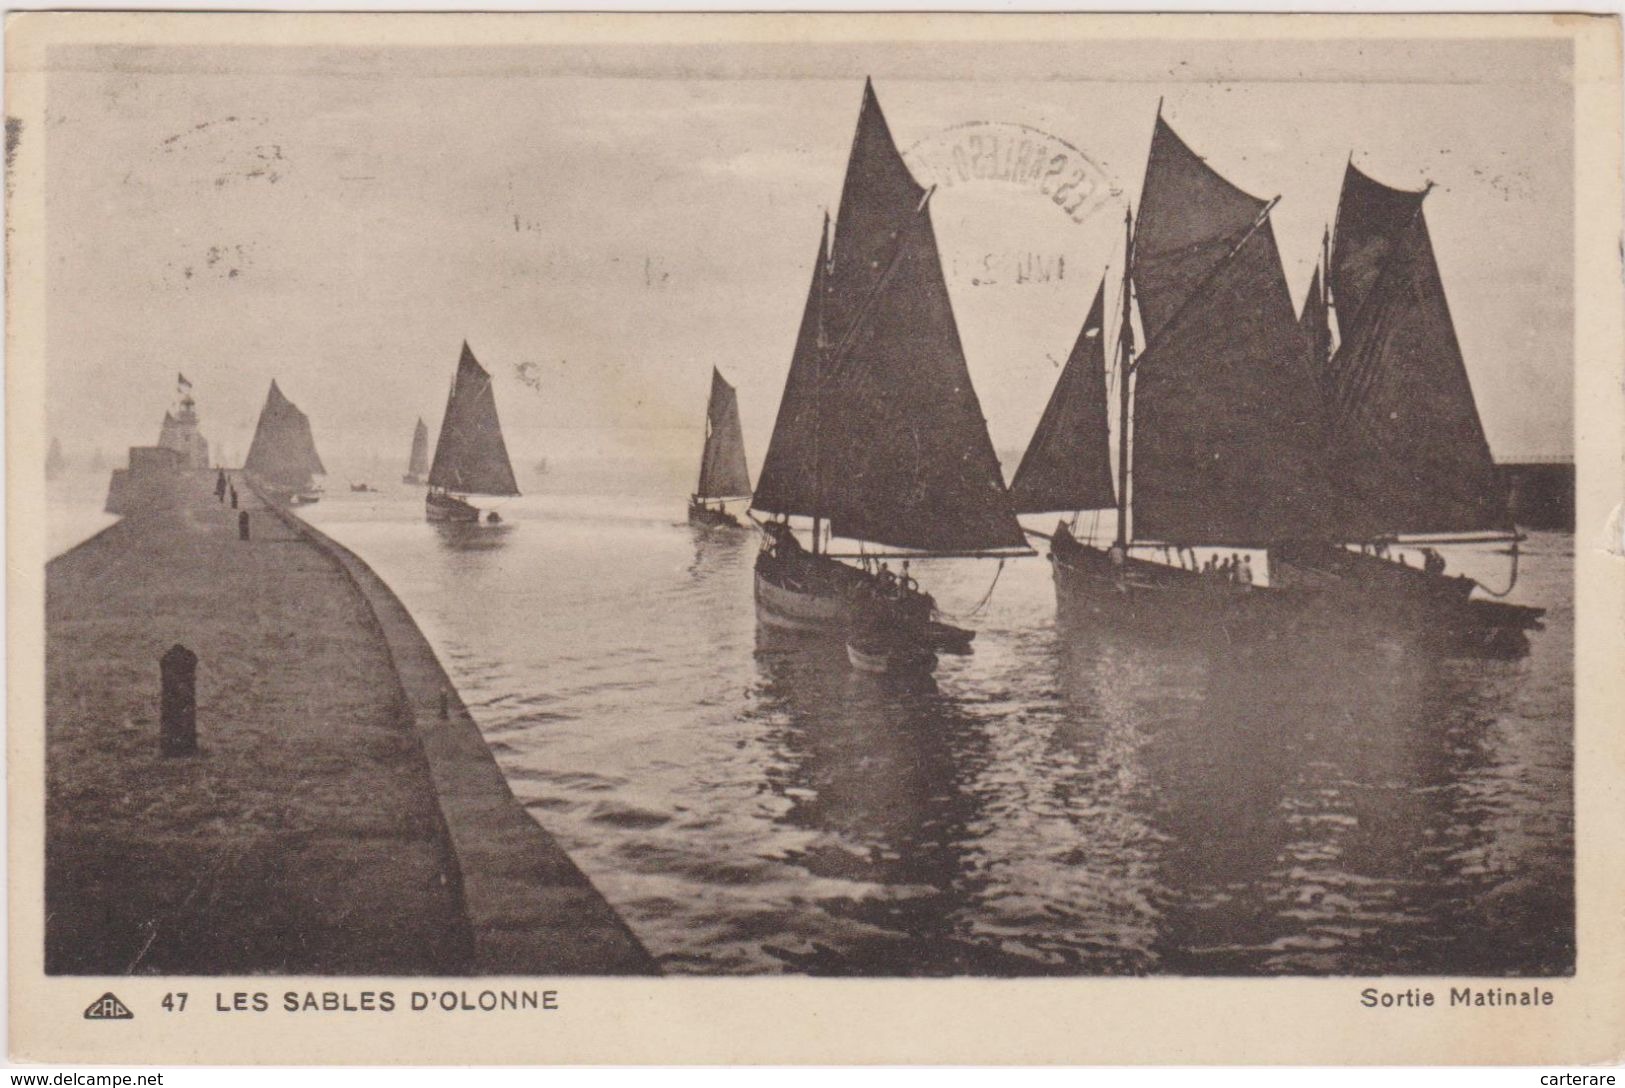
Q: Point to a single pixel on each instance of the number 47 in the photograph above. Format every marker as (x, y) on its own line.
(174, 1002)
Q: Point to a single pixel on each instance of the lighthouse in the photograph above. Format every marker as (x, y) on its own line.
(180, 431)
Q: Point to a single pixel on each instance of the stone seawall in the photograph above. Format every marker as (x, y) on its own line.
(331, 821)
(531, 909)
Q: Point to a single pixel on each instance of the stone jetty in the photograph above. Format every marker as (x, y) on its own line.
(341, 814)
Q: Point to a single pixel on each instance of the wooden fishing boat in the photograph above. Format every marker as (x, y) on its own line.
(880, 437)
(1404, 433)
(724, 475)
(417, 465)
(1234, 434)
(471, 457)
(282, 456)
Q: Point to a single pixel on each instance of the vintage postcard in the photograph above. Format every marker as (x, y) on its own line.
(814, 538)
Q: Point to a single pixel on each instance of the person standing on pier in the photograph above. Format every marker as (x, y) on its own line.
(220, 486)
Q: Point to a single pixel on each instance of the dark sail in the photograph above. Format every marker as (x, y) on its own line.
(471, 457)
(897, 451)
(1315, 326)
(879, 198)
(879, 429)
(914, 466)
(1407, 439)
(1371, 217)
(1190, 219)
(1228, 427)
(1067, 465)
(789, 480)
(418, 464)
(283, 451)
(723, 472)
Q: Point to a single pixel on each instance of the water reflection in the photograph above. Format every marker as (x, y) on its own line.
(876, 765)
(1063, 801)
(1313, 806)
(719, 551)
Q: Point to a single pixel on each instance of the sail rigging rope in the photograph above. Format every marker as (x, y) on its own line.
(980, 605)
(1511, 585)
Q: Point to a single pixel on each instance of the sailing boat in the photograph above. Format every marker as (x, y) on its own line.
(1222, 443)
(1403, 425)
(470, 458)
(55, 463)
(282, 456)
(723, 472)
(417, 467)
(880, 437)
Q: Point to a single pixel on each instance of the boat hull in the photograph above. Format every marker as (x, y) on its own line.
(442, 507)
(710, 517)
(885, 659)
(1172, 604)
(290, 496)
(795, 610)
(821, 597)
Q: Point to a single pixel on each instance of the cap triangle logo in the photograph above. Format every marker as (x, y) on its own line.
(108, 1007)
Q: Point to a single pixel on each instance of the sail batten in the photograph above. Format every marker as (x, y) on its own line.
(1407, 439)
(283, 451)
(880, 429)
(1229, 425)
(723, 471)
(1067, 465)
(471, 457)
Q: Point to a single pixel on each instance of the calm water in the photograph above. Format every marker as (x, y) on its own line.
(1055, 803)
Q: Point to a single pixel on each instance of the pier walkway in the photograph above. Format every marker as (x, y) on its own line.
(325, 827)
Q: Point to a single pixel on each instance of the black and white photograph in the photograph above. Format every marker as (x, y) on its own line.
(907, 504)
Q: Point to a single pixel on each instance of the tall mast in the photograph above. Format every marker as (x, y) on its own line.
(1125, 365)
(818, 393)
(1326, 287)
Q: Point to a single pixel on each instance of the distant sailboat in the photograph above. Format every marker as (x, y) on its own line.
(55, 463)
(723, 472)
(880, 436)
(282, 456)
(471, 457)
(417, 467)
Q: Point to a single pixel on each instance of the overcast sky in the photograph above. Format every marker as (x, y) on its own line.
(609, 222)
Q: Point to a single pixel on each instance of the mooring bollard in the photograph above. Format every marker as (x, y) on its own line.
(242, 525)
(177, 708)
